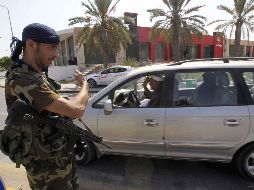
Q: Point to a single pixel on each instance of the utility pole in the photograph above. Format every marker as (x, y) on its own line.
(9, 19)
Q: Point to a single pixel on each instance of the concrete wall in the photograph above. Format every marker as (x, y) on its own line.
(61, 72)
(244, 43)
(79, 50)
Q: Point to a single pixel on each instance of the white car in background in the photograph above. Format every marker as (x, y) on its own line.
(108, 75)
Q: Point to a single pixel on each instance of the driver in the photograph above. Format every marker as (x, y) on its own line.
(153, 96)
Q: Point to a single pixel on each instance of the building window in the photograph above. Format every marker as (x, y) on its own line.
(208, 51)
(71, 51)
(191, 52)
(248, 53)
(159, 53)
(64, 54)
(143, 52)
(194, 52)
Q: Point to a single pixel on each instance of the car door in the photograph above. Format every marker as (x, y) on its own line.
(209, 129)
(133, 130)
(120, 72)
(103, 77)
(113, 75)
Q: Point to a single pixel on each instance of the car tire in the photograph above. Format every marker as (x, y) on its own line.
(245, 162)
(84, 151)
(92, 83)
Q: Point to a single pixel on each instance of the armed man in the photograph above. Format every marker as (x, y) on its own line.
(47, 165)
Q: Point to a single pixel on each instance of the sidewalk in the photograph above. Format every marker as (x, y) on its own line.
(13, 178)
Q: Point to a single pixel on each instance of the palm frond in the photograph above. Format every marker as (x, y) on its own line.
(226, 9)
(91, 9)
(154, 13)
(187, 2)
(193, 9)
(168, 4)
(248, 10)
(216, 21)
(249, 3)
(113, 7)
(76, 20)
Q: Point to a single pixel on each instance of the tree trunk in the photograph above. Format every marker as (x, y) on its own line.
(104, 60)
(237, 45)
(176, 38)
(175, 50)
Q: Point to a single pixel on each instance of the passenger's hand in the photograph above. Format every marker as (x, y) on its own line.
(80, 79)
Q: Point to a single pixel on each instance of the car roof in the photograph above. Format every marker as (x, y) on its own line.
(198, 64)
(123, 66)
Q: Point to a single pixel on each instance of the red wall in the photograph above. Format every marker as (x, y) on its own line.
(216, 41)
(218, 46)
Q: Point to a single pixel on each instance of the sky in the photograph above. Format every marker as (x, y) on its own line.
(55, 13)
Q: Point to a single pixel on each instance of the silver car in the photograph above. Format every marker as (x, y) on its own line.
(211, 120)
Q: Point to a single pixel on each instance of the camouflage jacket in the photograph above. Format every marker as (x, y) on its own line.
(23, 143)
(23, 82)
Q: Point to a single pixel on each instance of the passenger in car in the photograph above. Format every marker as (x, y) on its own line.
(222, 93)
(205, 93)
(154, 95)
(223, 96)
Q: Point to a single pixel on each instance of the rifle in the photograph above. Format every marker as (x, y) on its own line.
(21, 113)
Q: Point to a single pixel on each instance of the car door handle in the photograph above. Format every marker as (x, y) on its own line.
(151, 122)
(232, 123)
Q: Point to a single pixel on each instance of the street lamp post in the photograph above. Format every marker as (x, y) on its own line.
(9, 19)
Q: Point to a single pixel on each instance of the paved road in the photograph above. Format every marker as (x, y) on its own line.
(130, 173)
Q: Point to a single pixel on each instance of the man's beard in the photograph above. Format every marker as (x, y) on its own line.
(41, 65)
(39, 59)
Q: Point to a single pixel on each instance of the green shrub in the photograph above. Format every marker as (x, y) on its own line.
(5, 63)
(130, 61)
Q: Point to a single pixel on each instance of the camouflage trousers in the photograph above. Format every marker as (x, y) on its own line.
(52, 174)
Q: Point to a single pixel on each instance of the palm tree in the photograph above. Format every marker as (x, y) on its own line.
(241, 21)
(101, 30)
(177, 24)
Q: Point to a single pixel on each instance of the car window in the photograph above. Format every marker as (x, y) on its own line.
(101, 102)
(105, 71)
(248, 77)
(122, 69)
(132, 86)
(204, 88)
(132, 94)
(113, 70)
(131, 90)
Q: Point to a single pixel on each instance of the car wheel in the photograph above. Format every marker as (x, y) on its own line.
(91, 83)
(245, 162)
(84, 151)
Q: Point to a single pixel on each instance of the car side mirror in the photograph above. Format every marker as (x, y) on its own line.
(108, 107)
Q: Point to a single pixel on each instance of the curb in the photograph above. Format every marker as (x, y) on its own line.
(13, 178)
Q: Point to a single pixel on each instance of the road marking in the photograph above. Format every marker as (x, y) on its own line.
(10, 188)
